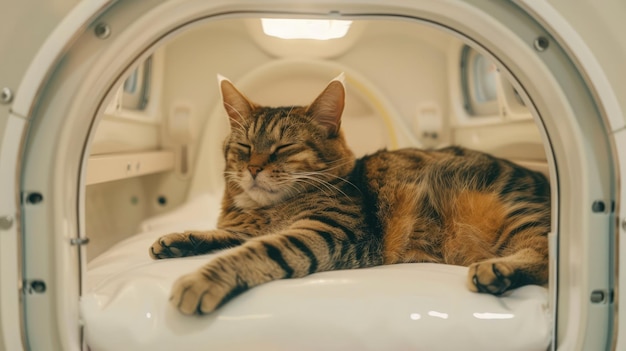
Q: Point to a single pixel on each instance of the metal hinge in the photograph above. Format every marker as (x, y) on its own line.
(79, 241)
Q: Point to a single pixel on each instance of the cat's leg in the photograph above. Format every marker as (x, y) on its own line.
(528, 265)
(293, 253)
(192, 243)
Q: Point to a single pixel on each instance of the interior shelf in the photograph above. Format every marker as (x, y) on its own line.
(109, 167)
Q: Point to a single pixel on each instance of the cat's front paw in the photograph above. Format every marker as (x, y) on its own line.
(170, 246)
(199, 293)
(491, 276)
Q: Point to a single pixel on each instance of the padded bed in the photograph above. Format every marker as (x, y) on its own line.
(401, 307)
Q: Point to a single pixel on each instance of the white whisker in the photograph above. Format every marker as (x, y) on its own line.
(322, 182)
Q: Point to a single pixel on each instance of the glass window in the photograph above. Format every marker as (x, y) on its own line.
(136, 90)
(479, 77)
(484, 79)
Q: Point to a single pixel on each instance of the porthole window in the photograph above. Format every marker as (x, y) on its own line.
(479, 77)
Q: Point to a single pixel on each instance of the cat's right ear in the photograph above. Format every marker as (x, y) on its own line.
(238, 107)
(328, 106)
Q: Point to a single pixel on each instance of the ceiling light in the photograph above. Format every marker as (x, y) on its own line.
(318, 29)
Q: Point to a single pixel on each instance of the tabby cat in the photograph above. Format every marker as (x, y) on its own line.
(297, 202)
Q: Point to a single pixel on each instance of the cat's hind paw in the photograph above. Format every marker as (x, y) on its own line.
(491, 277)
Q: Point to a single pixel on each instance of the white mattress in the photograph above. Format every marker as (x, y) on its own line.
(400, 307)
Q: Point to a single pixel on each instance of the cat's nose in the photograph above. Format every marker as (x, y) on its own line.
(254, 170)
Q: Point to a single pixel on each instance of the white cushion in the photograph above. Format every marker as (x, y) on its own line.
(400, 307)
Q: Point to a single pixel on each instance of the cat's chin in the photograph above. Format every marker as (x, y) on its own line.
(257, 197)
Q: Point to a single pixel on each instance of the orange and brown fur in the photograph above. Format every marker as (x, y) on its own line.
(298, 202)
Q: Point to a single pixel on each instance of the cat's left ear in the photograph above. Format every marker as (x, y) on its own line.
(328, 106)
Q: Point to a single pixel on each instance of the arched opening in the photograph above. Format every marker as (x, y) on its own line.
(547, 81)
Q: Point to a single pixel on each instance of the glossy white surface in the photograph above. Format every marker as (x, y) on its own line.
(400, 307)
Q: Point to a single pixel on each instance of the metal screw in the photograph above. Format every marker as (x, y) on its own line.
(598, 206)
(102, 30)
(597, 296)
(34, 198)
(6, 222)
(6, 96)
(162, 200)
(38, 286)
(541, 43)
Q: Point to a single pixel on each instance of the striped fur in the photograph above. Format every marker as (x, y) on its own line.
(298, 202)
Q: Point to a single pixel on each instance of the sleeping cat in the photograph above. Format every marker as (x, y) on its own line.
(298, 202)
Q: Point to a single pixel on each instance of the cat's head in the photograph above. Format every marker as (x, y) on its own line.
(275, 153)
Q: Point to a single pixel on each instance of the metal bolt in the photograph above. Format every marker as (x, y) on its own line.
(6, 96)
(6, 222)
(102, 30)
(541, 43)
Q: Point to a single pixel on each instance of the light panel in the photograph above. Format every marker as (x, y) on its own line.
(317, 29)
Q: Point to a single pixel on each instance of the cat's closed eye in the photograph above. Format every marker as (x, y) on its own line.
(284, 147)
(245, 146)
